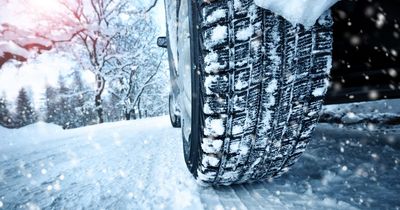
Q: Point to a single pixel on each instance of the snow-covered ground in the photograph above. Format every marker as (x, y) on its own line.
(139, 165)
(377, 112)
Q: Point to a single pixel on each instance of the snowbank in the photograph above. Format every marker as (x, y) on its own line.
(305, 12)
(377, 112)
(29, 135)
(45, 133)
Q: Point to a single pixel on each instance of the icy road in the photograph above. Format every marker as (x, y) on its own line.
(139, 165)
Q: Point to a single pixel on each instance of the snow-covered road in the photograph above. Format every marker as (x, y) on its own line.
(139, 165)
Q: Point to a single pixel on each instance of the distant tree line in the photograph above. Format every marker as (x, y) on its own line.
(70, 105)
(24, 114)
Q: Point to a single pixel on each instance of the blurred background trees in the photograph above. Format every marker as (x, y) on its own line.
(114, 40)
(25, 111)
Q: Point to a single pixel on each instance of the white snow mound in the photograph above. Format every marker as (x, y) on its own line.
(11, 47)
(304, 12)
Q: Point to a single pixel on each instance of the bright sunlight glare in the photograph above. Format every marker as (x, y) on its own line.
(45, 5)
(28, 13)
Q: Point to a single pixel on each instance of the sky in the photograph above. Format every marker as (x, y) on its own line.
(45, 68)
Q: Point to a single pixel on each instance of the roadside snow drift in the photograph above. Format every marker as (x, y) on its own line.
(305, 12)
(139, 165)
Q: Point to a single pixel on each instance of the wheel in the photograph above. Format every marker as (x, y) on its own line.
(173, 116)
(257, 85)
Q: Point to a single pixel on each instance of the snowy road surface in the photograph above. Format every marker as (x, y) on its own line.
(139, 165)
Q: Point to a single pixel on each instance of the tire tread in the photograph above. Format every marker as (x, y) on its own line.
(261, 91)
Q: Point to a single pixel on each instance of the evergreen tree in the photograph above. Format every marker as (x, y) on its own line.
(52, 106)
(70, 106)
(5, 115)
(66, 113)
(78, 101)
(25, 112)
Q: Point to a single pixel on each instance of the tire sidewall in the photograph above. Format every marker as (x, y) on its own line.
(192, 157)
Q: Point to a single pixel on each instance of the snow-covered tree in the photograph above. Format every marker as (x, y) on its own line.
(52, 106)
(18, 43)
(113, 108)
(66, 114)
(25, 112)
(80, 100)
(155, 97)
(5, 114)
(102, 29)
(67, 105)
(139, 62)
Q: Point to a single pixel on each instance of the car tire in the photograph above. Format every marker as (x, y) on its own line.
(258, 84)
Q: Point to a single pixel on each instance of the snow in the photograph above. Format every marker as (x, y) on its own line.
(272, 86)
(214, 67)
(211, 58)
(211, 80)
(241, 84)
(380, 111)
(320, 91)
(350, 117)
(304, 12)
(22, 37)
(245, 33)
(25, 138)
(139, 165)
(219, 33)
(243, 62)
(12, 48)
(212, 64)
(216, 15)
(211, 145)
(115, 165)
(393, 72)
(267, 114)
(380, 21)
(217, 36)
(214, 127)
(237, 4)
(207, 109)
(237, 129)
(210, 161)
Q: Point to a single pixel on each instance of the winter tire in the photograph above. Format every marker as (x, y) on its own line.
(175, 119)
(258, 83)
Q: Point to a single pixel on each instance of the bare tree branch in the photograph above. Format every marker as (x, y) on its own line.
(152, 6)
